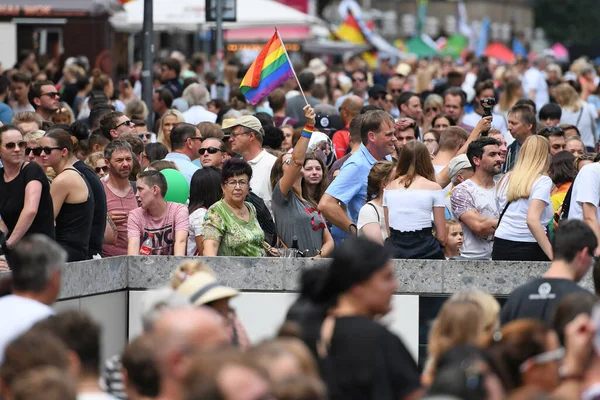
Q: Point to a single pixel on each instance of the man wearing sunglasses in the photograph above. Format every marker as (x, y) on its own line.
(359, 88)
(45, 98)
(212, 153)
(573, 249)
(377, 95)
(115, 124)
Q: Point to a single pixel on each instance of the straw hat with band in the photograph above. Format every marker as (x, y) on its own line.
(202, 288)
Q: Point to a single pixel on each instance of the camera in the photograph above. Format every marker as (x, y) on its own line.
(488, 104)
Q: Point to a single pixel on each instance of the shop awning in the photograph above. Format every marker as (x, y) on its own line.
(189, 15)
(57, 8)
(251, 35)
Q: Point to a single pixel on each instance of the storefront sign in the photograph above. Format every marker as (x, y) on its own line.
(41, 10)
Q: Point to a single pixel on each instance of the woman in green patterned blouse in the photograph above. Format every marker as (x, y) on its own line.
(230, 225)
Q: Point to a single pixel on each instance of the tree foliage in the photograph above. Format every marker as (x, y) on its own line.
(569, 21)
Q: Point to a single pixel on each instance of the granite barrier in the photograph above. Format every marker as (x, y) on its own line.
(422, 277)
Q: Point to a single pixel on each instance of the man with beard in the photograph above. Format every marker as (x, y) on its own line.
(474, 200)
(120, 193)
(44, 98)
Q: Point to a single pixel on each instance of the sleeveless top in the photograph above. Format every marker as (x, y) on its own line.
(74, 225)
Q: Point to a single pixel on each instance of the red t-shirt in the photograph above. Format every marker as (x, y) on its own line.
(175, 219)
(341, 142)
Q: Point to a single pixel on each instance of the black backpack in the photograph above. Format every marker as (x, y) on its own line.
(562, 214)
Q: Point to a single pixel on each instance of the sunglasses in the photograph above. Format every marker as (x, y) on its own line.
(103, 169)
(13, 145)
(380, 97)
(210, 150)
(543, 358)
(37, 151)
(554, 129)
(48, 150)
(358, 79)
(51, 94)
(147, 135)
(396, 90)
(129, 123)
(434, 109)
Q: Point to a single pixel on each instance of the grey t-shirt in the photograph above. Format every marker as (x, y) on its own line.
(294, 217)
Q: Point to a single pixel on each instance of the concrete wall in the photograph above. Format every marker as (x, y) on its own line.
(111, 289)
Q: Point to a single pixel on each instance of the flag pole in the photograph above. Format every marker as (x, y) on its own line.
(290, 61)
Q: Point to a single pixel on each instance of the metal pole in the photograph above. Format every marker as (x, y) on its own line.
(148, 59)
(220, 50)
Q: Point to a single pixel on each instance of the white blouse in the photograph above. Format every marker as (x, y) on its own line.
(410, 209)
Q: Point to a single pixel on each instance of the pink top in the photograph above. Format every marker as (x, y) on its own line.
(174, 219)
(116, 203)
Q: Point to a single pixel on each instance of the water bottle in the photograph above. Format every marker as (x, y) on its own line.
(146, 248)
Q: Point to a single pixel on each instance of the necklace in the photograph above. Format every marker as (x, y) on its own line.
(236, 210)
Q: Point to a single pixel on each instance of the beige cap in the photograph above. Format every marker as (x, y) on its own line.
(403, 69)
(317, 66)
(247, 121)
(456, 165)
(202, 287)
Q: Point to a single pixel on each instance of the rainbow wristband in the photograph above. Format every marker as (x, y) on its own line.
(308, 131)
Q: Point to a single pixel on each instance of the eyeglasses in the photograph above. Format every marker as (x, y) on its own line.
(380, 97)
(129, 123)
(233, 184)
(36, 151)
(13, 145)
(543, 358)
(210, 150)
(235, 135)
(147, 135)
(103, 169)
(51, 94)
(358, 79)
(434, 109)
(48, 150)
(429, 141)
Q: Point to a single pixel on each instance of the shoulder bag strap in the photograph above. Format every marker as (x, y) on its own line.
(376, 211)
(503, 211)
(579, 117)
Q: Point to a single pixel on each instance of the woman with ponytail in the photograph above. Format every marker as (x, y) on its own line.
(358, 357)
(71, 194)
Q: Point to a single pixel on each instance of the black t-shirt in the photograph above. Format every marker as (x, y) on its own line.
(365, 361)
(537, 299)
(99, 219)
(12, 200)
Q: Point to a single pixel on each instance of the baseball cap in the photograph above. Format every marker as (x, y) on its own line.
(247, 121)
(403, 69)
(456, 165)
(376, 89)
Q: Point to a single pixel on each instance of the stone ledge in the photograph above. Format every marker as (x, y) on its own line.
(435, 277)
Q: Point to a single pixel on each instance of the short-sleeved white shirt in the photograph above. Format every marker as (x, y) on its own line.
(261, 175)
(586, 189)
(513, 225)
(371, 213)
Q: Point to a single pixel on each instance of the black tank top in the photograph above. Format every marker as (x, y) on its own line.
(74, 226)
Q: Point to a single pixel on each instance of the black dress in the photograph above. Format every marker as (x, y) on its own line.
(99, 221)
(364, 360)
(12, 200)
(74, 226)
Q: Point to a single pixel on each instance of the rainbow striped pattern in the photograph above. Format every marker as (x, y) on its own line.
(269, 71)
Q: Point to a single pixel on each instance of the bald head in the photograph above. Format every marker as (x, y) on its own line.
(350, 108)
(197, 328)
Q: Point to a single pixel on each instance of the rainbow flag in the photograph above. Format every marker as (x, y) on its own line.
(270, 70)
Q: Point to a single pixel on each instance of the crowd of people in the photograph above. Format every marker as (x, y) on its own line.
(432, 158)
(427, 159)
(489, 154)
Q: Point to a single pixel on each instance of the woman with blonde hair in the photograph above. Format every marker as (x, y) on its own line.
(512, 91)
(432, 106)
(459, 322)
(523, 195)
(198, 283)
(489, 306)
(577, 112)
(408, 202)
(371, 219)
(166, 123)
